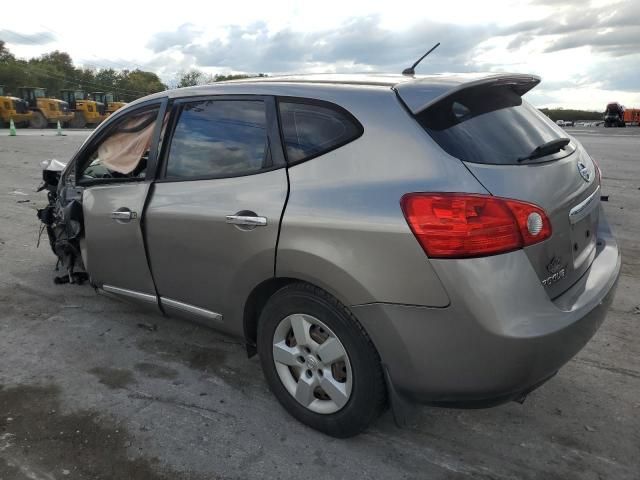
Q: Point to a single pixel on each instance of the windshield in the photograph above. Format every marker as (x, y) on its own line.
(108, 98)
(490, 125)
(39, 92)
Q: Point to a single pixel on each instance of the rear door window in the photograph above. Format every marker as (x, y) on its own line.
(312, 129)
(218, 138)
(490, 125)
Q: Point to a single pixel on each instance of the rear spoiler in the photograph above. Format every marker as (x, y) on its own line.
(420, 94)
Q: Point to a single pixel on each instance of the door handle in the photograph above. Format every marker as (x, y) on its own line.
(247, 220)
(123, 215)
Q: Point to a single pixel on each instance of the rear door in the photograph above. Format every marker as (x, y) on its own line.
(115, 176)
(492, 130)
(213, 219)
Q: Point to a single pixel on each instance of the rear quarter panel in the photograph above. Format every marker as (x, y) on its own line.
(343, 228)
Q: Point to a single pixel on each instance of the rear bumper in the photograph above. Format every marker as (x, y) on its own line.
(500, 337)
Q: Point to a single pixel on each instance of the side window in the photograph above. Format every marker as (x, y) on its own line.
(125, 150)
(218, 138)
(311, 129)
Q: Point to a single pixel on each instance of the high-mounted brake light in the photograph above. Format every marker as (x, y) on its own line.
(459, 225)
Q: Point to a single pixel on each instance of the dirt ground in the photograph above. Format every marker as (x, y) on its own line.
(91, 388)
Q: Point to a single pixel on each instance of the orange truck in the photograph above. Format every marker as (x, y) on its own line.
(632, 116)
(616, 115)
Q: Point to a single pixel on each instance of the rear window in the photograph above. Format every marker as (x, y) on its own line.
(311, 129)
(490, 125)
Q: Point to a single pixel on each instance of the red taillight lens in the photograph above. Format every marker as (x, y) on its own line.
(458, 225)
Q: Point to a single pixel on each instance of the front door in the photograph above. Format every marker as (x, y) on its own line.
(114, 176)
(212, 222)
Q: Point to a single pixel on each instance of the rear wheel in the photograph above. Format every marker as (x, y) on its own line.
(319, 361)
(38, 120)
(78, 121)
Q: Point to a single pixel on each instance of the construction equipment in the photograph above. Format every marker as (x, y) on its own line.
(45, 110)
(108, 100)
(85, 111)
(13, 108)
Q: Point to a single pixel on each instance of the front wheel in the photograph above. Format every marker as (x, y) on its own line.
(319, 361)
(38, 120)
(78, 121)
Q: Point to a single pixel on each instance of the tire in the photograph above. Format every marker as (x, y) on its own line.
(38, 120)
(78, 121)
(355, 392)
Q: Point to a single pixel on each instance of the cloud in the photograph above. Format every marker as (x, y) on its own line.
(38, 38)
(361, 43)
(181, 37)
(612, 29)
(617, 75)
(611, 33)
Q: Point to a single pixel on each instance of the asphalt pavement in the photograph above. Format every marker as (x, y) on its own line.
(92, 388)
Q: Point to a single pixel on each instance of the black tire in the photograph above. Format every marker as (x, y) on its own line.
(368, 391)
(38, 120)
(78, 121)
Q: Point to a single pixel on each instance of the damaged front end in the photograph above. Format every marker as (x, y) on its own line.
(62, 219)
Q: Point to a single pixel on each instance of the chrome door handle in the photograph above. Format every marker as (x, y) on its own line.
(124, 215)
(247, 220)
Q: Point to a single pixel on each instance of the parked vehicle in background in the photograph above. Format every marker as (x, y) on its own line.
(108, 100)
(13, 108)
(560, 123)
(45, 110)
(614, 115)
(632, 116)
(86, 112)
(375, 239)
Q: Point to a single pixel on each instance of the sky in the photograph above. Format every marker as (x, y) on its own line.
(587, 52)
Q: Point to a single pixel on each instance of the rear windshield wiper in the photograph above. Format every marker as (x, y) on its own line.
(546, 149)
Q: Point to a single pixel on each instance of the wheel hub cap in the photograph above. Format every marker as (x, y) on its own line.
(312, 363)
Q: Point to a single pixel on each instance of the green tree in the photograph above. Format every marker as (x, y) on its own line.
(55, 71)
(5, 54)
(138, 83)
(190, 78)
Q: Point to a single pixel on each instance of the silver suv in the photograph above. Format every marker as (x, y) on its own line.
(375, 239)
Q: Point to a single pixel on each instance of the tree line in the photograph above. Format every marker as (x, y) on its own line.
(55, 71)
(571, 115)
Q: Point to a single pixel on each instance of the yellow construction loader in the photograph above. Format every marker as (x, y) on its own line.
(13, 108)
(108, 100)
(45, 110)
(85, 111)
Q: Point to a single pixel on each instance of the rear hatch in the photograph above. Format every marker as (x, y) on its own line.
(488, 126)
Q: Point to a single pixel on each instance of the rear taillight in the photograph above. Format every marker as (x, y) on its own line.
(459, 225)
